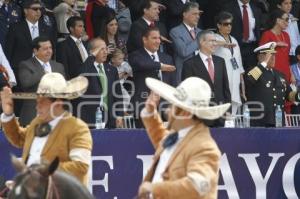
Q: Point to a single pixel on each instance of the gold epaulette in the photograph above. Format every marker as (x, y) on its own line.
(255, 72)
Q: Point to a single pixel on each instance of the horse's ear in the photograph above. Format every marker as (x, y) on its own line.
(19, 165)
(53, 166)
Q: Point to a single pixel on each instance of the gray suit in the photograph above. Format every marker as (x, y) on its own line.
(30, 73)
(184, 46)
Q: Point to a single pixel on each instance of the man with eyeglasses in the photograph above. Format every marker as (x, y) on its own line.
(20, 35)
(210, 68)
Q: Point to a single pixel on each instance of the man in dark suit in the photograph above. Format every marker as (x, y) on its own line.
(244, 11)
(20, 35)
(72, 52)
(174, 12)
(17, 46)
(104, 88)
(149, 18)
(210, 68)
(31, 71)
(149, 62)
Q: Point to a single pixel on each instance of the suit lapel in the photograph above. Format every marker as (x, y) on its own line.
(29, 139)
(27, 31)
(238, 12)
(38, 66)
(74, 47)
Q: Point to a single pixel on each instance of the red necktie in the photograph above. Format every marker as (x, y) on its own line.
(152, 24)
(193, 34)
(210, 69)
(245, 24)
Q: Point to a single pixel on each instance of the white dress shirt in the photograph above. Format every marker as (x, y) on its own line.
(36, 28)
(46, 65)
(204, 59)
(251, 20)
(167, 154)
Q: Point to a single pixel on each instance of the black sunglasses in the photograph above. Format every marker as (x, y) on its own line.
(226, 24)
(36, 8)
(286, 19)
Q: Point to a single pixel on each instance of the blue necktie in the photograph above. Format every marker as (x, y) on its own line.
(170, 140)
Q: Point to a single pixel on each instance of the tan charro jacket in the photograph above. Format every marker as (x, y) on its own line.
(70, 133)
(192, 171)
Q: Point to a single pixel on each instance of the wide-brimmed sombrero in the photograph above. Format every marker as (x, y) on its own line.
(54, 85)
(193, 95)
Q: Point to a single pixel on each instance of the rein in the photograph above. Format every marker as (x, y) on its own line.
(51, 189)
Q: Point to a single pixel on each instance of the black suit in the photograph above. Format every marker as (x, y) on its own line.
(249, 58)
(115, 104)
(174, 13)
(18, 44)
(137, 29)
(144, 66)
(69, 55)
(220, 87)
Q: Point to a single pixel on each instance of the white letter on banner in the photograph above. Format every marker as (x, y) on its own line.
(288, 177)
(104, 181)
(229, 184)
(146, 161)
(260, 181)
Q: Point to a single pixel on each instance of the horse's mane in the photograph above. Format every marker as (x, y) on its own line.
(45, 179)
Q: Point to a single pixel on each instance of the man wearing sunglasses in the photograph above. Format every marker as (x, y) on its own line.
(20, 35)
(19, 38)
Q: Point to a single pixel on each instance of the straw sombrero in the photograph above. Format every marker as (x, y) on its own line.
(193, 95)
(54, 85)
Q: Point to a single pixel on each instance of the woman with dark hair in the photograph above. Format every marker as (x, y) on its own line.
(278, 22)
(292, 29)
(229, 50)
(109, 33)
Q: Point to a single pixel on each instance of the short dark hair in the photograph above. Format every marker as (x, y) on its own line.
(222, 16)
(28, 3)
(274, 15)
(148, 30)
(146, 4)
(297, 51)
(36, 42)
(71, 22)
(189, 5)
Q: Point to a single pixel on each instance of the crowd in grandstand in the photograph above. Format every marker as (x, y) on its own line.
(116, 44)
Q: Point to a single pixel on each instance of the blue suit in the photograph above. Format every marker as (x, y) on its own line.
(10, 13)
(184, 46)
(144, 66)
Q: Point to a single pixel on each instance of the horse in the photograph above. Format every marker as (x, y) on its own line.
(44, 181)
